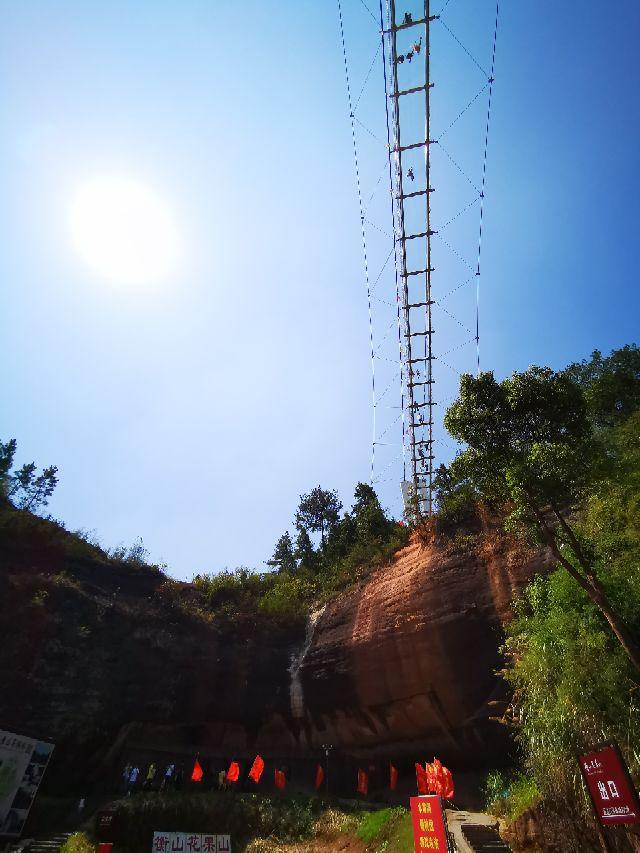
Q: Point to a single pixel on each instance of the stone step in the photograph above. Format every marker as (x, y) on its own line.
(484, 839)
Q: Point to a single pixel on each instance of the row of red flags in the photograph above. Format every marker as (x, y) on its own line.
(431, 779)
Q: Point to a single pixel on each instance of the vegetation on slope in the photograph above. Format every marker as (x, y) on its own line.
(566, 472)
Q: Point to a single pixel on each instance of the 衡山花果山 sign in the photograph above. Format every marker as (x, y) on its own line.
(428, 824)
(190, 842)
(612, 792)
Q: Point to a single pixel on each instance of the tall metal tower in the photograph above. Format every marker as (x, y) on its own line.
(406, 43)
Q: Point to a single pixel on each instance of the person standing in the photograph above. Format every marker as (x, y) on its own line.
(133, 779)
(151, 775)
(168, 776)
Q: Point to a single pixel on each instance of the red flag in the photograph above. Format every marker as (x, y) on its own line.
(433, 782)
(393, 777)
(319, 776)
(363, 782)
(256, 769)
(280, 780)
(196, 774)
(233, 773)
(447, 784)
(422, 780)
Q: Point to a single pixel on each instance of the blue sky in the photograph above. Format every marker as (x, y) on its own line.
(194, 411)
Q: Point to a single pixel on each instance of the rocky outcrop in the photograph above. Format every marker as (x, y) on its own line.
(101, 656)
(409, 658)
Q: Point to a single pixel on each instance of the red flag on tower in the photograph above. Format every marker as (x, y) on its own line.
(256, 769)
(196, 773)
(393, 777)
(319, 777)
(363, 782)
(280, 780)
(233, 773)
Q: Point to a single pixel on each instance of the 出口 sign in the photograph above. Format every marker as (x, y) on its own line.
(428, 824)
(190, 842)
(612, 792)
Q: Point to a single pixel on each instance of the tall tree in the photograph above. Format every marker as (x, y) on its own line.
(370, 519)
(318, 512)
(304, 552)
(25, 487)
(283, 556)
(530, 446)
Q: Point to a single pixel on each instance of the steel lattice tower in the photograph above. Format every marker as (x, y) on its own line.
(413, 251)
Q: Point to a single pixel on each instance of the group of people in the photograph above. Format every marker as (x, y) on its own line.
(171, 778)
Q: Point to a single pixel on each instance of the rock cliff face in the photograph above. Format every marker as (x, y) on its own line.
(99, 655)
(408, 660)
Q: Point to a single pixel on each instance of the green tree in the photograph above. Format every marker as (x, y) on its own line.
(25, 487)
(611, 384)
(370, 519)
(530, 446)
(284, 556)
(318, 512)
(304, 552)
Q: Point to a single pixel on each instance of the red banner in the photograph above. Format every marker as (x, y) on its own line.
(196, 774)
(280, 780)
(612, 792)
(256, 769)
(319, 777)
(393, 777)
(428, 824)
(363, 782)
(233, 773)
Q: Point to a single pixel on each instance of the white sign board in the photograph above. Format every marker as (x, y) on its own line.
(190, 842)
(22, 764)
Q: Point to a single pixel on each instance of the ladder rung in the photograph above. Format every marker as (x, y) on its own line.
(421, 304)
(419, 192)
(421, 359)
(420, 334)
(410, 91)
(422, 234)
(419, 405)
(425, 440)
(426, 382)
(419, 272)
(413, 145)
(396, 27)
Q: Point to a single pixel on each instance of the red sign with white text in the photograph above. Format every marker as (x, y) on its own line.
(612, 792)
(428, 824)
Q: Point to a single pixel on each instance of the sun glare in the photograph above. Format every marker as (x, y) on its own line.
(123, 231)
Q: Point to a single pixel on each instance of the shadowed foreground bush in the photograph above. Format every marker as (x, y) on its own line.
(243, 816)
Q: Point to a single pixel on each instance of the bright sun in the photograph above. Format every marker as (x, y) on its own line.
(123, 230)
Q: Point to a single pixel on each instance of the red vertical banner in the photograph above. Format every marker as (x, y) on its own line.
(428, 824)
(280, 779)
(393, 777)
(196, 773)
(363, 782)
(319, 777)
(233, 773)
(256, 769)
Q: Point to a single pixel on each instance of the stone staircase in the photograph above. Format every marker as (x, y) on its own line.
(483, 839)
(41, 845)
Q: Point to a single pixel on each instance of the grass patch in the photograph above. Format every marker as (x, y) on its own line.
(386, 830)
